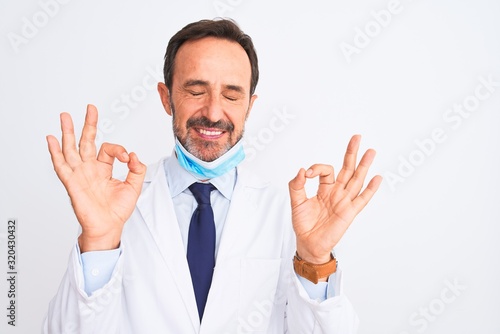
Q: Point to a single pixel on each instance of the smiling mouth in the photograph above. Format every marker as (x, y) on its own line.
(209, 133)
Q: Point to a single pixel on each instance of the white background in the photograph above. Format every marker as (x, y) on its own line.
(438, 223)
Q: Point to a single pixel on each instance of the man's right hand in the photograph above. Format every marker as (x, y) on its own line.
(101, 203)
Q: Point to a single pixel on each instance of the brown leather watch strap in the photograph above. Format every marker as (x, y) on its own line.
(313, 272)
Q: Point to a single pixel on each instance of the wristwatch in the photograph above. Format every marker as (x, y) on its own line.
(313, 272)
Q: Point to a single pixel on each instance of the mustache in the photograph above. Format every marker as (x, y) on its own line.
(206, 123)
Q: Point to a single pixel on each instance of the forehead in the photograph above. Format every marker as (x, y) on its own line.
(214, 60)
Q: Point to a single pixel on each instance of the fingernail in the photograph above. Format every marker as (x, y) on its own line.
(124, 155)
(309, 172)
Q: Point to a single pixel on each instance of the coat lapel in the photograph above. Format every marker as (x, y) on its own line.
(157, 209)
(222, 307)
(239, 216)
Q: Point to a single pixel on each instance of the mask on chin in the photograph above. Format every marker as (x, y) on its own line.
(209, 170)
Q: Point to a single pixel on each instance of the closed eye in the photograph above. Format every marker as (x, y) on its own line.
(230, 98)
(195, 93)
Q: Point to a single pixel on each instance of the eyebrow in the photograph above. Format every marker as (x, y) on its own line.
(191, 83)
(197, 82)
(236, 88)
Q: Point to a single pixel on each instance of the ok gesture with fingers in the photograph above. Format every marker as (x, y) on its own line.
(101, 203)
(321, 221)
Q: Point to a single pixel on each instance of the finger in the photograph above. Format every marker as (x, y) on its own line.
(296, 188)
(109, 152)
(325, 172)
(136, 174)
(356, 182)
(63, 170)
(349, 165)
(68, 140)
(360, 202)
(87, 140)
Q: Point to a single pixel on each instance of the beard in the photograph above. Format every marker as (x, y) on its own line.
(205, 150)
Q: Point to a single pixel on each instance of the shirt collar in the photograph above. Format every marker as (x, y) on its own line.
(180, 179)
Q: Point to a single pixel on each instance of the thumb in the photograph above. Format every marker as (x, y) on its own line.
(136, 174)
(296, 188)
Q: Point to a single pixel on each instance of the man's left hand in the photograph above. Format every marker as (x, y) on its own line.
(321, 221)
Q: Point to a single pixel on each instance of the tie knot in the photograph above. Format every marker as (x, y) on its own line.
(201, 192)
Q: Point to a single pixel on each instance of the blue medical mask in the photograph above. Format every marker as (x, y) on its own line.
(209, 170)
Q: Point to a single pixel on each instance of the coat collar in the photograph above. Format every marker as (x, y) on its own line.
(179, 179)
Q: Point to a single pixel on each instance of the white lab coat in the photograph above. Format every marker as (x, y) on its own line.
(254, 288)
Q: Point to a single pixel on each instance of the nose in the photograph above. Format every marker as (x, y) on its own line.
(213, 109)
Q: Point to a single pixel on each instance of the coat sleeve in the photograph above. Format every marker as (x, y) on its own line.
(335, 315)
(73, 311)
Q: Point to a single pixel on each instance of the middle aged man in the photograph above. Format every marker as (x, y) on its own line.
(195, 243)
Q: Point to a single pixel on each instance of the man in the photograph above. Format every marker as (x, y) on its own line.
(194, 243)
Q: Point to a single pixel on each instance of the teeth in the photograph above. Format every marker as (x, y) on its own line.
(209, 133)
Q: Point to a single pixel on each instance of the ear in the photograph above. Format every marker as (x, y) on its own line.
(250, 105)
(165, 97)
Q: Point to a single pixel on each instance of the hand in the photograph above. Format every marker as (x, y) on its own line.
(101, 203)
(321, 221)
